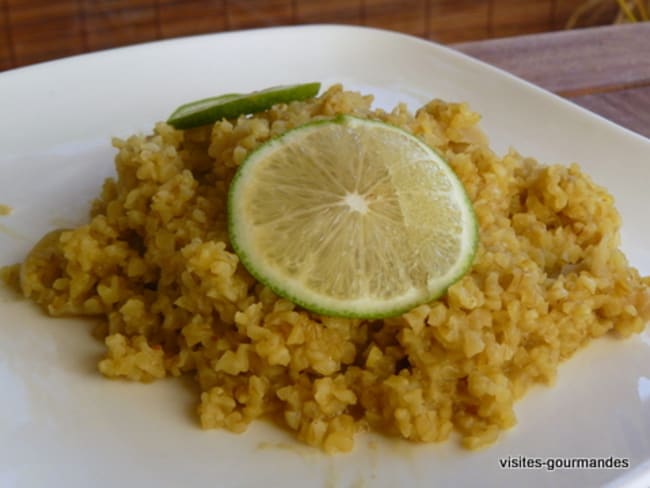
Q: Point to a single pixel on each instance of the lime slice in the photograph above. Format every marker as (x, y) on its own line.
(351, 217)
(231, 105)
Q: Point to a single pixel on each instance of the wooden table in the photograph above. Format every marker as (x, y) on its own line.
(604, 69)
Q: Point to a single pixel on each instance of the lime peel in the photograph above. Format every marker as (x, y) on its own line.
(232, 105)
(351, 217)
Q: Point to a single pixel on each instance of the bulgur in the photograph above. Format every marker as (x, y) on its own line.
(154, 263)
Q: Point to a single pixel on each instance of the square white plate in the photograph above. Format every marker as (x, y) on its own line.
(62, 425)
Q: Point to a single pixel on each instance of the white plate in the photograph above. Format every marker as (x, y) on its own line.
(62, 425)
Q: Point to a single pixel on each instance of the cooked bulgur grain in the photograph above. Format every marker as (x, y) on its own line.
(155, 264)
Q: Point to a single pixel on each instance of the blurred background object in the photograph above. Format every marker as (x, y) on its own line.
(38, 30)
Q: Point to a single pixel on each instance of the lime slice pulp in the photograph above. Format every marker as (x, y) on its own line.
(232, 105)
(351, 217)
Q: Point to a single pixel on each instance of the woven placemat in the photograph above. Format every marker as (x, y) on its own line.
(39, 30)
